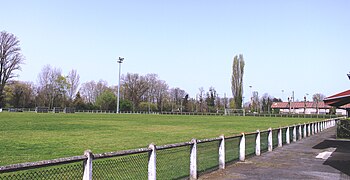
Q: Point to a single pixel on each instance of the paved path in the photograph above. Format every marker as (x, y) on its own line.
(295, 161)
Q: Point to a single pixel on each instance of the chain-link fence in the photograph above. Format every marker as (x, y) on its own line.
(343, 129)
(67, 171)
(208, 156)
(123, 167)
(232, 149)
(174, 161)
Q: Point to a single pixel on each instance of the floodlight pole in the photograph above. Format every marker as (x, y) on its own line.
(120, 61)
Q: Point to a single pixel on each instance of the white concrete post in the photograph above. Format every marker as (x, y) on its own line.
(222, 152)
(242, 148)
(294, 133)
(279, 138)
(300, 132)
(88, 165)
(323, 125)
(287, 136)
(315, 129)
(318, 127)
(269, 140)
(193, 160)
(257, 143)
(309, 129)
(305, 130)
(152, 163)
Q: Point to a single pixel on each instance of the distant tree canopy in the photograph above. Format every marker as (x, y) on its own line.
(237, 81)
(11, 59)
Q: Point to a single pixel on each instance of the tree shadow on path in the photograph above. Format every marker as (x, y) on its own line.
(340, 158)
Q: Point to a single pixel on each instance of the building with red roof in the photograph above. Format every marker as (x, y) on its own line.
(307, 108)
(340, 100)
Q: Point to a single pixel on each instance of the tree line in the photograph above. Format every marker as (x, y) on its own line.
(137, 93)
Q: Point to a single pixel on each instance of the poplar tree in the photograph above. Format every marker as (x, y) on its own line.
(237, 81)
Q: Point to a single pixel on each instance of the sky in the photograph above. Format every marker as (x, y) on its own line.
(297, 45)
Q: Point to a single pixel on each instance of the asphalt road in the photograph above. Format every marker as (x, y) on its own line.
(320, 156)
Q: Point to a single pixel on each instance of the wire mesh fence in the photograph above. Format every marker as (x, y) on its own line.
(275, 138)
(284, 136)
(232, 149)
(250, 144)
(207, 156)
(124, 167)
(67, 171)
(173, 163)
(263, 141)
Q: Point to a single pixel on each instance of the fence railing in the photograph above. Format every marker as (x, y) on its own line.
(323, 116)
(172, 161)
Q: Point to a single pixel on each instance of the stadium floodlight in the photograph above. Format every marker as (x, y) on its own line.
(349, 75)
(119, 61)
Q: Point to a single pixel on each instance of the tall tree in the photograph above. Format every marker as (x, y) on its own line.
(135, 86)
(210, 99)
(20, 94)
(52, 87)
(11, 59)
(73, 81)
(318, 97)
(237, 80)
(107, 100)
(91, 90)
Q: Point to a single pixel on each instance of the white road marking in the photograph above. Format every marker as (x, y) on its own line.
(324, 155)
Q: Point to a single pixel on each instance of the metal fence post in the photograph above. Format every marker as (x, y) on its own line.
(88, 165)
(193, 160)
(257, 143)
(242, 148)
(287, 136)
(279, 136)
(152, 163)
(300, 135)
(294, 133)
(269, 140)
(222, 152)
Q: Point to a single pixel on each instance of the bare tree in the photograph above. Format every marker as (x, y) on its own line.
(161, 92)
(87, 91)
(237, 80)
(52, 86)
(91, 90)
(73, 81)
(318, 97)
(10, 60)
(135, 86)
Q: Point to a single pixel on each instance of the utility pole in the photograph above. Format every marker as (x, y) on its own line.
(119, 61)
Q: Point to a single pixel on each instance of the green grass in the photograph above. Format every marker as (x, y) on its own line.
(26, 137)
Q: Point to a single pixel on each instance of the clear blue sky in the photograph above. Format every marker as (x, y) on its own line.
(296, 45)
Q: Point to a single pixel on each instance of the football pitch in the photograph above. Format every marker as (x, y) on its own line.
(27, 137)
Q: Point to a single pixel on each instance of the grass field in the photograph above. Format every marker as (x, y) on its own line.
(26, 137)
